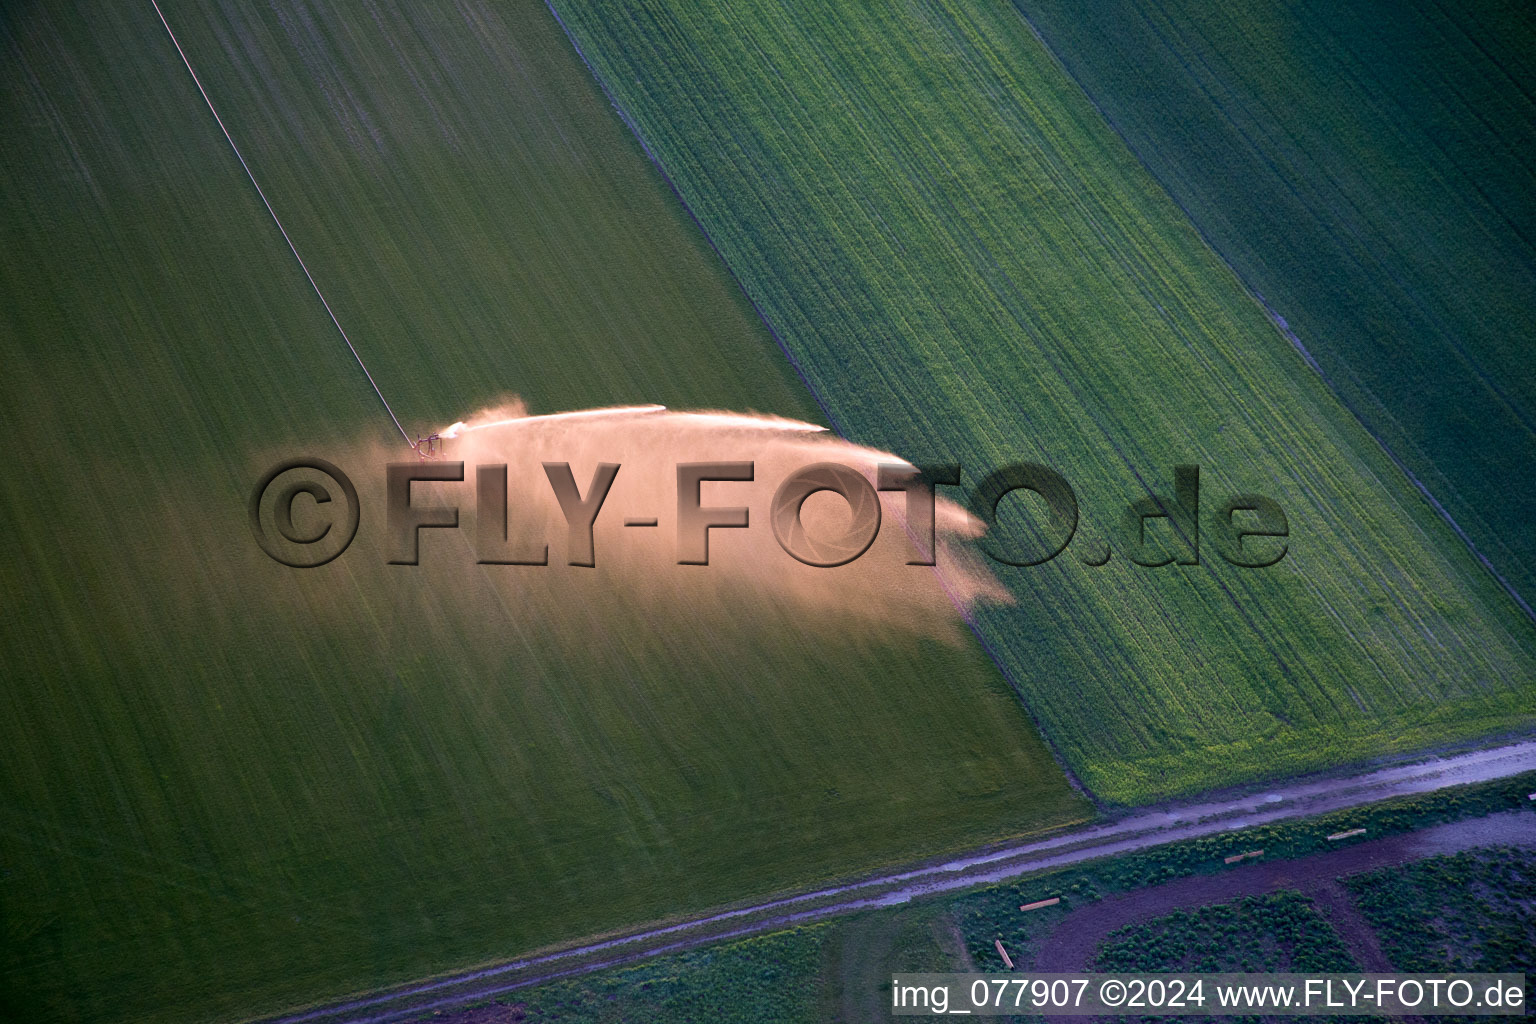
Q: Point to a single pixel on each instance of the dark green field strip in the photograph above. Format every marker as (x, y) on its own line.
(970, 265)
(1368, 169)
(227, 787)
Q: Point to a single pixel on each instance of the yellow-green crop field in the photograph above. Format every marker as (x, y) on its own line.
(228, 787)
(970, 265)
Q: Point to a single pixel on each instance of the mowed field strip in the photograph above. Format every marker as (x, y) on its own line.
(969, 265)
(229, 788)
(1367, 168)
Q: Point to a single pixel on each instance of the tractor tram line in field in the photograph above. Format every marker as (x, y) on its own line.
(428, 452)
(278, 221)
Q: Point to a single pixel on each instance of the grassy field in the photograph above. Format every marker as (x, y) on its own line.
(1367, 168)
(969, 265)
(227, 787)
(1472, 911)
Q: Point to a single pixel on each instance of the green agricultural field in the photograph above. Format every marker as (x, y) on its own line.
(227, 787)
(1367, 168)
(969, 265)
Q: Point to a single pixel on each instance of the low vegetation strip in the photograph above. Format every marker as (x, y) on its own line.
(970, 266)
